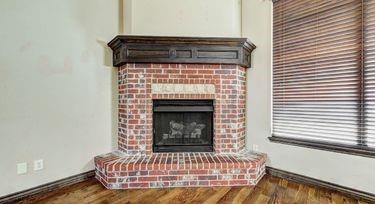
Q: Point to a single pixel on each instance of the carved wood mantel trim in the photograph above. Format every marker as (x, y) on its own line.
(201, 50)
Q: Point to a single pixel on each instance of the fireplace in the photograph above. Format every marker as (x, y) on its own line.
(181, 114)
(183, 125)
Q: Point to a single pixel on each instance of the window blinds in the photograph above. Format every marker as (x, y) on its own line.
(369, 73)
(324, 71)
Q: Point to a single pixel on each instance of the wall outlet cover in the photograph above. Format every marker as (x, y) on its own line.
(38, 165)
(22, 168)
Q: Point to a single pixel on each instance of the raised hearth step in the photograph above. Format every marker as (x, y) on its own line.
(159, 170)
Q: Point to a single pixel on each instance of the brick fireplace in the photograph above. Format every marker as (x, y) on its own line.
(153, 69)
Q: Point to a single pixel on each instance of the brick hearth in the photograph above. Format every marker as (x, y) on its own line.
(119, 171)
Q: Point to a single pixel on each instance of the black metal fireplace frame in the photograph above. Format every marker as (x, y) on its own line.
(197, 106)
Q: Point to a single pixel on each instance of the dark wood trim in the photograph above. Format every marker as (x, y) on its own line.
(346, 149)
(18, 196)
(55, 185)
(197, 50)
(366, 196)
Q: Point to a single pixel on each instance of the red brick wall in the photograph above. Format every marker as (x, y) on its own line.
(135, 102)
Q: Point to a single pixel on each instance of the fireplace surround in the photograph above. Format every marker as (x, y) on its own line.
(181, 114)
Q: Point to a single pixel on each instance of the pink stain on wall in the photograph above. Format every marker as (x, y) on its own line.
(25, 47)
(47, 66)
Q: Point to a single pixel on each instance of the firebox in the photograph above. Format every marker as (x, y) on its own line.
(183, 125)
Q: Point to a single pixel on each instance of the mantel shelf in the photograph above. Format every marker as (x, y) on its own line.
(200, 50)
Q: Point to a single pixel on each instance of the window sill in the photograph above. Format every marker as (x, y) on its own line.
(346, 149)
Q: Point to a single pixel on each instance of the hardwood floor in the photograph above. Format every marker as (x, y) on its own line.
(269, 190)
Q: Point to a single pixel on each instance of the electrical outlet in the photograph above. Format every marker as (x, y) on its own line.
(38, 165)
(22, 168)
(255, 147)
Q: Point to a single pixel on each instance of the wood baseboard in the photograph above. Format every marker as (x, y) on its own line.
(368, 197)
(15, 197)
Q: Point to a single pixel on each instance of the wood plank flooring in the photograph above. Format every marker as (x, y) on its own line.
(269, 190)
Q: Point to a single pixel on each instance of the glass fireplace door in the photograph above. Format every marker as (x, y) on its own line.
(182, 126)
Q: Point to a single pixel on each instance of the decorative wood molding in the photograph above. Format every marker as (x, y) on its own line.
(369, 197)
(45, 188)
(332, 147)
(199, 50)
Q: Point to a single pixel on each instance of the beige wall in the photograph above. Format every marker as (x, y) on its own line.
(353, 171)
(183, 17)
(57, 87)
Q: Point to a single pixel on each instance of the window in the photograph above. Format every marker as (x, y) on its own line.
(324, 74)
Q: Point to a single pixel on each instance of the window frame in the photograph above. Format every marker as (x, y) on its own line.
(332, 147)
(359, 150)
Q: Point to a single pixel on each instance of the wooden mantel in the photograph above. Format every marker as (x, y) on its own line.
(200, 50)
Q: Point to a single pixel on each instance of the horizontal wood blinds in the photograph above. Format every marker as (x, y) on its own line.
(317, 71)
(369, 72)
